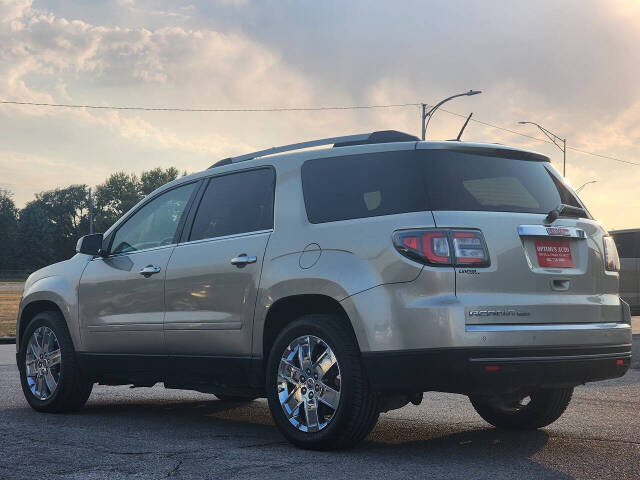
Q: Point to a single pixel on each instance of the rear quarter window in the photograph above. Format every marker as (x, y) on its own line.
(360, 186)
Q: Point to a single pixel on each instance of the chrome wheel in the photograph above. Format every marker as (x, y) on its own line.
(309, 383)
(42, 363)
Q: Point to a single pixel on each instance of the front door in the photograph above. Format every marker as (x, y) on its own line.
(214, 276)
(121, 296)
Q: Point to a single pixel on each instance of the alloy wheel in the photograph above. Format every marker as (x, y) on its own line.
(43, 363)
(309, 383)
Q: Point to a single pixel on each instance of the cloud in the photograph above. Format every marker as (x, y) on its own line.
(568, 65)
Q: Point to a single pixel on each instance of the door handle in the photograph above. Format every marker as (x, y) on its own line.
(149, 270)
(243, 259)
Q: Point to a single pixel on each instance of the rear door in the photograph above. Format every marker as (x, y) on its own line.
(538, 273)
(213, 276)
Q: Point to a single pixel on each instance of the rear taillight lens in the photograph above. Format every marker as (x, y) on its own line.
(443, 247)
(611, 259)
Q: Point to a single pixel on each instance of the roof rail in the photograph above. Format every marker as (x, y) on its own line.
(359, 139)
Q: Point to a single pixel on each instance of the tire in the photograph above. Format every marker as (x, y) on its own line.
(544, 408)
(72, 388)
(356, 407)
(234, 398)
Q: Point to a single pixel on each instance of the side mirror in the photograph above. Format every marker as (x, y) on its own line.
(90, 244)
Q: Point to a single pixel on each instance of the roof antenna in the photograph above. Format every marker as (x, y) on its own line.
(463, 127)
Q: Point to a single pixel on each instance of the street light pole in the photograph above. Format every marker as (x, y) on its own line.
(555, 139)
(584, 185)
(426, 116)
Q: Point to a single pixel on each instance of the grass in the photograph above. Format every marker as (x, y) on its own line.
(10, 293)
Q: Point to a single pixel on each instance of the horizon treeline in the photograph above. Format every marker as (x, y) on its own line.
(46, 230)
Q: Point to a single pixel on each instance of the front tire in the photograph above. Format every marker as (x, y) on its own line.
(523, 412)
(49, 373)
(318, 393)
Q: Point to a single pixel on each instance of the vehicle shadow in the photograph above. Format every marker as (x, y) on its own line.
(190, 429)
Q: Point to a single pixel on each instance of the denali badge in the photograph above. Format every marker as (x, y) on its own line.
(498, 313)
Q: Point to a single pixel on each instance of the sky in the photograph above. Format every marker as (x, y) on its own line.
(572, 66)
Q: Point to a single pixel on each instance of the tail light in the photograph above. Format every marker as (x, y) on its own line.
(443, 247)
(611, 259)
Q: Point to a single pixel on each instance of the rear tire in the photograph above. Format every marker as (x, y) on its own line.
(332, 374)
(53, 381)
(544, 407)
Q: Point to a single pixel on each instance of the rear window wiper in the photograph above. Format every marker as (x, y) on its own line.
(563, 208)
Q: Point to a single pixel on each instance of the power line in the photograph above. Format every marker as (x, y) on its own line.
(227, 110)
(296, 109)
(541, 139)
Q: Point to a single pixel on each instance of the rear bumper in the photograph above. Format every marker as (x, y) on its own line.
(484, 370)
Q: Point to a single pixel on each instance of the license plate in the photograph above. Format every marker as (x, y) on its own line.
(554, 253)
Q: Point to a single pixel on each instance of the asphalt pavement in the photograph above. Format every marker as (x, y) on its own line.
(125, 433)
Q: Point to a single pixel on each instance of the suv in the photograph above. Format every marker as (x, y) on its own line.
(628, 243)
(340, 283)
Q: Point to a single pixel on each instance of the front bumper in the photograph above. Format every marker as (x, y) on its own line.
(490, 370)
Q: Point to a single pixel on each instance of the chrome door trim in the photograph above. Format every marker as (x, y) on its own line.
(542, 327)
(225, 237)
(551, 231)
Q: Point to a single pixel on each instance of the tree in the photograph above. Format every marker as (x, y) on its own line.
(152, 179)
(46, 229)
(8, 230)
(35, 234)
(121, 191)
(61, 216)
(115, 197)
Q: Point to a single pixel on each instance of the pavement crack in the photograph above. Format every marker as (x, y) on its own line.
(175, 469)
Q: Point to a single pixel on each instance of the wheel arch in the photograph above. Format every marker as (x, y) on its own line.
(31, 309)
(288, 309)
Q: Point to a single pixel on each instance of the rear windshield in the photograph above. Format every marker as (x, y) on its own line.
(465, 181)
(385, 183)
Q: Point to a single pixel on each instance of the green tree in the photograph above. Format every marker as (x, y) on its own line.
(152, 179)
(8, 230)
(36, 237)
(64, 212)
(121, 191)
(115, 197)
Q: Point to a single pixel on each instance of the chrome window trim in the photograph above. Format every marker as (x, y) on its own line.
(543, 231)
(132, 252)
(225, 237)
(542, 327)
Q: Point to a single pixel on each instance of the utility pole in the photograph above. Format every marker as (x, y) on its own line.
(90, 212)
(555, 139)
(426, 116)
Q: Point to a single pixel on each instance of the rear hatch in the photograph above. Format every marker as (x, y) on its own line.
(540, 270)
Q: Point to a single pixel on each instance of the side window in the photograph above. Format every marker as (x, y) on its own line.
(236, 203)
(155, 224)
(627, 244)
(361, 186)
